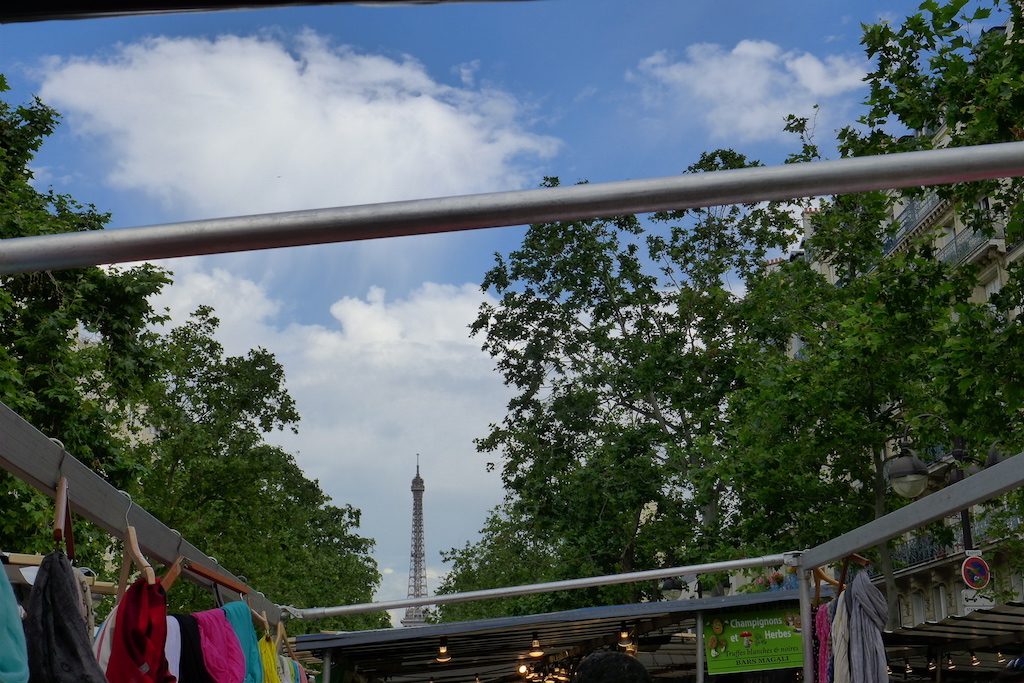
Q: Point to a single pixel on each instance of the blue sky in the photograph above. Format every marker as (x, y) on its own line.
(194, 115)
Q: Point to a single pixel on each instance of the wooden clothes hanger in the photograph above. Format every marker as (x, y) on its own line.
(287, 642)
(821, 576)
(260, 618)
(63, 532)
(281, 637)
(172, 574)
(132, 555)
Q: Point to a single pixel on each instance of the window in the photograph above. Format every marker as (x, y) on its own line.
(992, 286)
(939, 605)
(917, 607)
(901, 605)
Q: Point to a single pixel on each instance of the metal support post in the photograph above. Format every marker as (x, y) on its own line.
(326, 677)
(700, 647)
(807, 625)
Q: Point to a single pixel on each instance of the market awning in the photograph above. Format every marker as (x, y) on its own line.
(492, 648)
(991, 634)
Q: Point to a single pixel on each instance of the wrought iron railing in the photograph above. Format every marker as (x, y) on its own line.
(961, 246)
(918, 550)
(926, 548)
(916, 210)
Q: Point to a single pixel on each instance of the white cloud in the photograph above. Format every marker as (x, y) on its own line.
(468, 71)
(747, 91)
(244, 124)
(391, 378)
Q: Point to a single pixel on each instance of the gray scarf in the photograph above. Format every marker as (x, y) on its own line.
(868, 612)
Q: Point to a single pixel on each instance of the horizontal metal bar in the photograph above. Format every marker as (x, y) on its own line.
(534, 588)
(470, 212)
(977, 488)
(29, 455)
(48, 10)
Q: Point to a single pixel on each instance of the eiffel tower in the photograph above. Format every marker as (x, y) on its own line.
(417, 564)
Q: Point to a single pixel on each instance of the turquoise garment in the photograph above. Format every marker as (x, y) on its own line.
(298, 676)
(240, 618)
(13, 653)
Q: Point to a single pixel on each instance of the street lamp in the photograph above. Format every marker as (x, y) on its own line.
(907, 474)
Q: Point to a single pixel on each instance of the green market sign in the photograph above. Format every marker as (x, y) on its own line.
(753, 641)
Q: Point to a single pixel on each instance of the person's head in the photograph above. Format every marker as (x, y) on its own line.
(611, 667)
(1014, 671)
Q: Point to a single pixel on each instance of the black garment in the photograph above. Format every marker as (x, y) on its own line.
(192, 669)
(59, 649)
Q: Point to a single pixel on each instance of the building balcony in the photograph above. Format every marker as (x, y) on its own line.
(963, 246)
(925, 548)
(918, 550)
(916, 211)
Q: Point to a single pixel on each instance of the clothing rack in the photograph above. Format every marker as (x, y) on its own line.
(13, 562)
(40, 462)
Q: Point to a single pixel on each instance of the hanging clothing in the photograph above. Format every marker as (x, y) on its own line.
(284, 670)
(192, 668)
(172, 647)
(840, 636)
(268, 657)
(295, 671)
(104, 637)
(823, 629)
(222, 652)
(85, 601)
(57, 643)
(13, 652)
(240, 618)
(831, 659)
(868, 613)
(140, 633)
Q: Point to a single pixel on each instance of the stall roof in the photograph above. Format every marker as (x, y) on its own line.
(991, 634)
(492, 647)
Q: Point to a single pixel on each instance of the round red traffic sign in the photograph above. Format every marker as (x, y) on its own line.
(975, 573)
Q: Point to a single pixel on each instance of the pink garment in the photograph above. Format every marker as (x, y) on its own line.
(823, 629)
(222, 652)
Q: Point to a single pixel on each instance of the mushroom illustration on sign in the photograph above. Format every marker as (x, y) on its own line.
(748, 639)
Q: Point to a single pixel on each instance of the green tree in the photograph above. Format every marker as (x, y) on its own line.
(75, 346)
(169, 418)
(761, 422)
(212, 476)
(510, 552)
(621, 350)
(905, 334)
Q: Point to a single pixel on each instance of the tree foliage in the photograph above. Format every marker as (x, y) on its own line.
(166, 416)
(622, 348)
(677, 401)
(213, 477)
(75, 346)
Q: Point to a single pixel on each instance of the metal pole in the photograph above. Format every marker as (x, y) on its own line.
(807, 624)
(700, 647)
(470, 212)
(326, 678)
(960, 456)
(534, 588)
